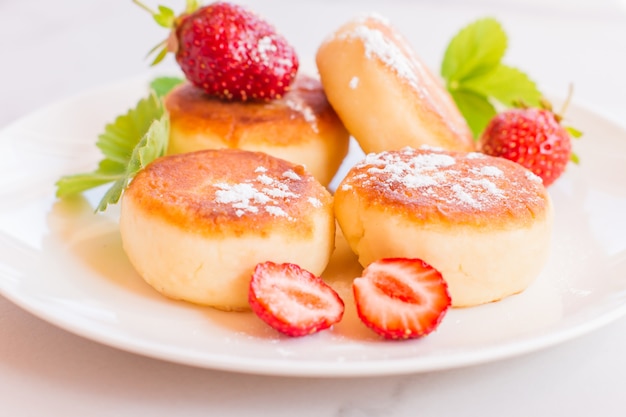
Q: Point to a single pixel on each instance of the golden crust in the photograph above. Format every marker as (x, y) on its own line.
(301, 127)
(437, 188)
(229, 192)
(485, 223)
(384, 94)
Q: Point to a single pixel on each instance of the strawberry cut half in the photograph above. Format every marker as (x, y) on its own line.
(292, 300)
(401, 298)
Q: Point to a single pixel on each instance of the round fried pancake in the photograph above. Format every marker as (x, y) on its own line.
(300, 127)
(385, 96)
(195, 225)
(485, 223)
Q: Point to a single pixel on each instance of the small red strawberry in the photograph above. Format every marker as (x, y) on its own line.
(532, 137)
(401, 298)
(228, 51)
(293, 300)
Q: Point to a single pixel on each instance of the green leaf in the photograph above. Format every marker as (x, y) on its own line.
(477, 79)
(573, 132)
(158, 47)
(476, 109)
(505, 84)
(109, 167)
(476, 49)
(163, 85)
(192, 6)
(128, 144)
(574, 158)
(113, 194)
(76, 184)
(151, 146)
(165, 17)
(159, 57)
(122, 135)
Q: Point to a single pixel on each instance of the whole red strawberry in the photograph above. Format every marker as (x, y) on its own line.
(228, 51)
(532, 137)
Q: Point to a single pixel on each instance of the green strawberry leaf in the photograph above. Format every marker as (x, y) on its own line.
(163, 85)
(160, 56)
(113, 194)
(476, 109)
(78, 183)
(476, 49)
(151, 146)
(573, 132)
(477, 79)
(165, 17)
(192, 6)
(506, 85)
(128, 144)
(122, 135)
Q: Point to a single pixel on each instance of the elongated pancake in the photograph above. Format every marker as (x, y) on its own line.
(385, 95)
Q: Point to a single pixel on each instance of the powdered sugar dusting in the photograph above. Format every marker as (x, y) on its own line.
(265, 46)
(378, 45)
(265, 179)
(354, 82)
(299, 106)
(291, 175)
(279, 192)
(480, 185)
(491, 171)
(462, 195)
(260, 193)
(534, 178)
(476, 155)
(276, 211)
(240, 196)
(427, 148)
(315, 202)
(448, 178)
(433, 161)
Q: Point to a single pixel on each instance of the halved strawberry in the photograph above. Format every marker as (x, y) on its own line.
(401, 298)
(292, 300)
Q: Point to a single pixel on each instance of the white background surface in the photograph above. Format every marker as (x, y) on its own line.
(51, 50)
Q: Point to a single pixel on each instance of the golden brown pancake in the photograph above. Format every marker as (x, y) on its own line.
(300, 127)
(485, 223)
(385, 95)
(195, 225)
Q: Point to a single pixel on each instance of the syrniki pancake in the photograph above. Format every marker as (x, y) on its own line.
(300, 127)
(385, 95)
(485, 223)
(195, 225)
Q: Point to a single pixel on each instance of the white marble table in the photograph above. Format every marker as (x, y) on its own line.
(51, 50)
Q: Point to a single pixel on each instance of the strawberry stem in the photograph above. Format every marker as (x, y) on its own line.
(546, 105)
(146, 8)
(157, 47)
(567, 101)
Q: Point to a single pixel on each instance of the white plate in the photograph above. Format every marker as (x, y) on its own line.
(65, 264)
